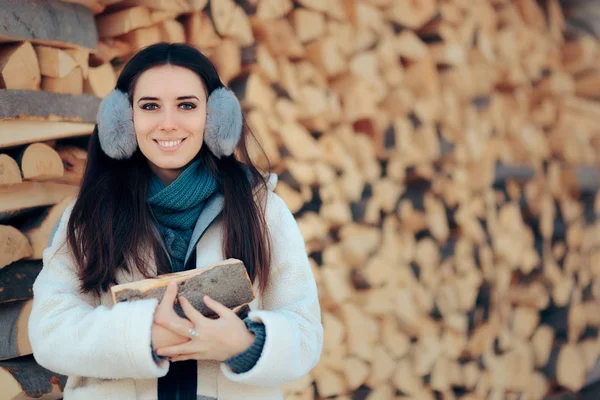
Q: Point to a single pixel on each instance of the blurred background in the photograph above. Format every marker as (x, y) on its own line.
(441, 158)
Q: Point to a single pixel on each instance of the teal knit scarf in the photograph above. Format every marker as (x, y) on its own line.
(177, 207)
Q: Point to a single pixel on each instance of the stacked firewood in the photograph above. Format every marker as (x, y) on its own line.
(441, 158)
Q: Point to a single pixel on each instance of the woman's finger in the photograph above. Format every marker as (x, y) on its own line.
(176, 350)
(183, 357)
(220, 309)
(170, 295)
(190, 311)
(178, 325)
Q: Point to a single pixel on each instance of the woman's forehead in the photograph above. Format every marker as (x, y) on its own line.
(169, 81)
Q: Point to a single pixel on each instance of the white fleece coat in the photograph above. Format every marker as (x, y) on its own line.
(104, 349)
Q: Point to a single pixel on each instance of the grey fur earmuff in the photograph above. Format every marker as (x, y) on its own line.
(222, 131)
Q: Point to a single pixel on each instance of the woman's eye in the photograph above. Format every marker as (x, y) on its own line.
(150, 106)
(187, 106)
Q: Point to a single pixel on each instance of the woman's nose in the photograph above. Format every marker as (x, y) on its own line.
(169, 121)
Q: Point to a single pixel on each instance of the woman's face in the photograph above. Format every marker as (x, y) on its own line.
(169, 113)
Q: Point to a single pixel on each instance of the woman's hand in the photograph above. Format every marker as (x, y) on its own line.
(217, 339)
(166, 315)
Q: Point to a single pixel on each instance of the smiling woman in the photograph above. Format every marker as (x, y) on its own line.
(169, 118)
(169, 186)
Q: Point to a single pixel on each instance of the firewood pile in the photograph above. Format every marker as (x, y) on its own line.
(441, 158)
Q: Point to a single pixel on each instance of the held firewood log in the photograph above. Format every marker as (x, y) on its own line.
(226, 282)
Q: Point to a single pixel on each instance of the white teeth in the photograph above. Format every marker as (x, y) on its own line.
(170, 143)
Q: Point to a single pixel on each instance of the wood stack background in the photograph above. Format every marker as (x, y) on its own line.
(441, 157)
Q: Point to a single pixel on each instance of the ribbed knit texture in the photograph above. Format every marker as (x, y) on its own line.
(247, 359)
(176, 208)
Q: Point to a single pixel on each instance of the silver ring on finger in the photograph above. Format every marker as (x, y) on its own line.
(192, 333)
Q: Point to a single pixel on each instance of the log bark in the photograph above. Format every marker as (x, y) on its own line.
(226, 282)
(15, 133)
(39, 105)
(48, 22)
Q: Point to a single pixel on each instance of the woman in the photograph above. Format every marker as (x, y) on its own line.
(165, 191)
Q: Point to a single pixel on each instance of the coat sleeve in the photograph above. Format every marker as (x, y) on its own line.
(290, 311)
(71, 335)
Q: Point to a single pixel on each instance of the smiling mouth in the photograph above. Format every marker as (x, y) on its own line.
(169, 144)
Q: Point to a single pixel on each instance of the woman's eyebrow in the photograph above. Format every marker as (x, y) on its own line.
(187, 98)
(179, 98)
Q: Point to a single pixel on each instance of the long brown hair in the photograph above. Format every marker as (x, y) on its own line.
(110, 227)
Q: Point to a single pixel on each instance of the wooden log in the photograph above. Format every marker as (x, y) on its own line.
(54, 62)
(226, 282)
(24, 379)
(14, 319)
(142, 37)
(14, 245)
(16, 199)
(10, 173)
(231, 20)
(566, 366)
(39, 162)
(177, 6)
(16, 280)
(309, 25)
(108, 50)
(412, 15)
(227, 58)
(123, 21)
(40, 106)
(51, 23)
(15, 133)
(101, 80)
(280, 38)
(38, 230)
(200, 31)
(172, 31)
(74, 161)
(19, 67)
(70, 84)
(95, 6)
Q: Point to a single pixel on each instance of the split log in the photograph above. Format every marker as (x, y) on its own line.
(15, 133)
(51, 23)
(101, 80)
(39, 229)
(121, 22)
(10, 173)
(19, 67)
(16, 199)
(226, 282)
(40, 162)
(142, 37)
(16, 280)
(72, 83)
(41, 106)
(54, 62)
(200, 31)
(14, 318)
(24, 379)
(14, 245)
